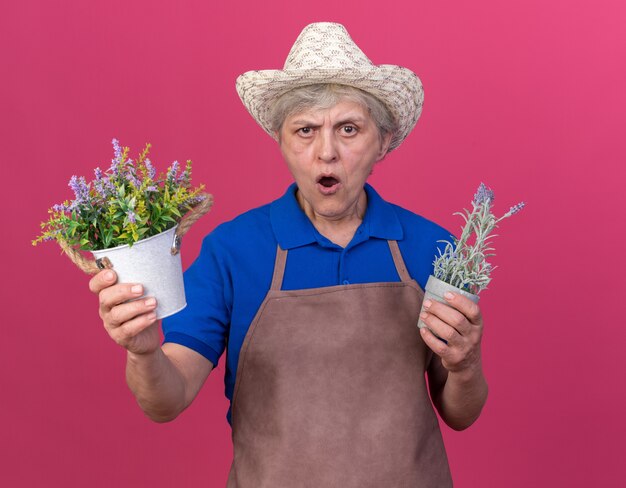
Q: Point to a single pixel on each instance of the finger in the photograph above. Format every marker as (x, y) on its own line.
(102, 280)
(440, 329)
(118, 294)
(128, 311)
(448, 315)
(126, 333)
(466, 306)
(435, 344)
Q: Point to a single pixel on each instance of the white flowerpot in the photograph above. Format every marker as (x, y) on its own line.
(151, 263)
(436, 289)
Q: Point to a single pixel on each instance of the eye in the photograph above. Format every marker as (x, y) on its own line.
(305, 131)
(349, 130)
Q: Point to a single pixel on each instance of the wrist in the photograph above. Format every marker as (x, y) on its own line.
(143, 361)
(470, 374)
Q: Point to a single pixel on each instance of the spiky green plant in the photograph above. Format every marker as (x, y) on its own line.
(463, 263)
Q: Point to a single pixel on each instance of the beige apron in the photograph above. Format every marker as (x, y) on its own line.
(331, 392)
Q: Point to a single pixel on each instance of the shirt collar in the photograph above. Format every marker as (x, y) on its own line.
(381, 217)
(293, 228)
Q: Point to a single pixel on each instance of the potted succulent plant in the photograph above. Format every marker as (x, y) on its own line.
(462, 266)
(132, 221)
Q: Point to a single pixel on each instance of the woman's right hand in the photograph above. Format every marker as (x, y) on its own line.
(131, 324)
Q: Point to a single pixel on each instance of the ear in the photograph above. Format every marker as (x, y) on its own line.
(384, 146)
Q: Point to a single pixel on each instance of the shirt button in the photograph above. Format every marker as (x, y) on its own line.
(346, 282)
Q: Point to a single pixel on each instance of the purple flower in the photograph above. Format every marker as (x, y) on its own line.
(117, 160)
(132, 179)
(483, 195)
(117, 150)
(102, 184)
(60, 207)
(132, 218)
(512, 211)
(196, 200)
(152, 188)
(172, 172)
(516, 208)
(151, 169)
(104, 187)
(80, 189)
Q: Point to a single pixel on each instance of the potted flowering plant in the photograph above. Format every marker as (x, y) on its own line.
(132, 221)
(462, 266)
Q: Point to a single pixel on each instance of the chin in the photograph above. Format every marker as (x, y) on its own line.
(330, 211)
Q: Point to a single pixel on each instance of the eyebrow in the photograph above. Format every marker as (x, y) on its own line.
(350, 118)
(307, 122)
(354, 119)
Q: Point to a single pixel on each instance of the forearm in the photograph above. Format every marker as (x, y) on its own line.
(462, 397)
(157, 384)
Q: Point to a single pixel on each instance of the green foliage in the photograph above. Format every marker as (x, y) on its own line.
(123, 205)
(463, 263)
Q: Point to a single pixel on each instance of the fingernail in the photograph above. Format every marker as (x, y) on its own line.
(109, 276)
(448, 295)
(150, 302)
(136, 289)
(423, 316)
(427, 304)
(152, 316)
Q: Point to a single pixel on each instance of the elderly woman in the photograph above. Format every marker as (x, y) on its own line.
(316, 297)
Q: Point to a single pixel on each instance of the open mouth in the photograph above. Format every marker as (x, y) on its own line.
(328, 185)
(328, 181)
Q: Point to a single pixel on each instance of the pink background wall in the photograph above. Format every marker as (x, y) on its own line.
(526, 96)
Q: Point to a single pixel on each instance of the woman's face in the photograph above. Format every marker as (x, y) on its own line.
(330, 153)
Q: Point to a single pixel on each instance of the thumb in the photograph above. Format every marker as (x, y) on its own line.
(102, 280)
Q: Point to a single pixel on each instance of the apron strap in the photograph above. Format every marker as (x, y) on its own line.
(279, 269)
(398, 261)
(281, 260)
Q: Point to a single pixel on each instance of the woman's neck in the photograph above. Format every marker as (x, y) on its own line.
(341, 229)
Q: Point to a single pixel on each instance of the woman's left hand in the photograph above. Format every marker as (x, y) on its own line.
(459, 322)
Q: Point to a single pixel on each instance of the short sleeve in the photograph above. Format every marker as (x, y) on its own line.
(203, 324)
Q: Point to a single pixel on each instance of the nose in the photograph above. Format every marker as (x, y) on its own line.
(327, 146)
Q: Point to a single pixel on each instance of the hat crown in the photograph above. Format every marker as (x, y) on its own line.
(325, 45)
(325, 53)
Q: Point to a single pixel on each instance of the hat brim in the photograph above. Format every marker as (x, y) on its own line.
(398, 88)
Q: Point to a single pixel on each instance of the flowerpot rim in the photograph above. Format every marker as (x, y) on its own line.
(462, 292)
(96, 252)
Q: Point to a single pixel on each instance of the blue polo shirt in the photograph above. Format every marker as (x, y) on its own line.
(227, 283)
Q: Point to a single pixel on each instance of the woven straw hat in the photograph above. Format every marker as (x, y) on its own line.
(325, 53)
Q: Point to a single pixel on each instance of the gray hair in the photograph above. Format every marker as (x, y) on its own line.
(326, 95)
